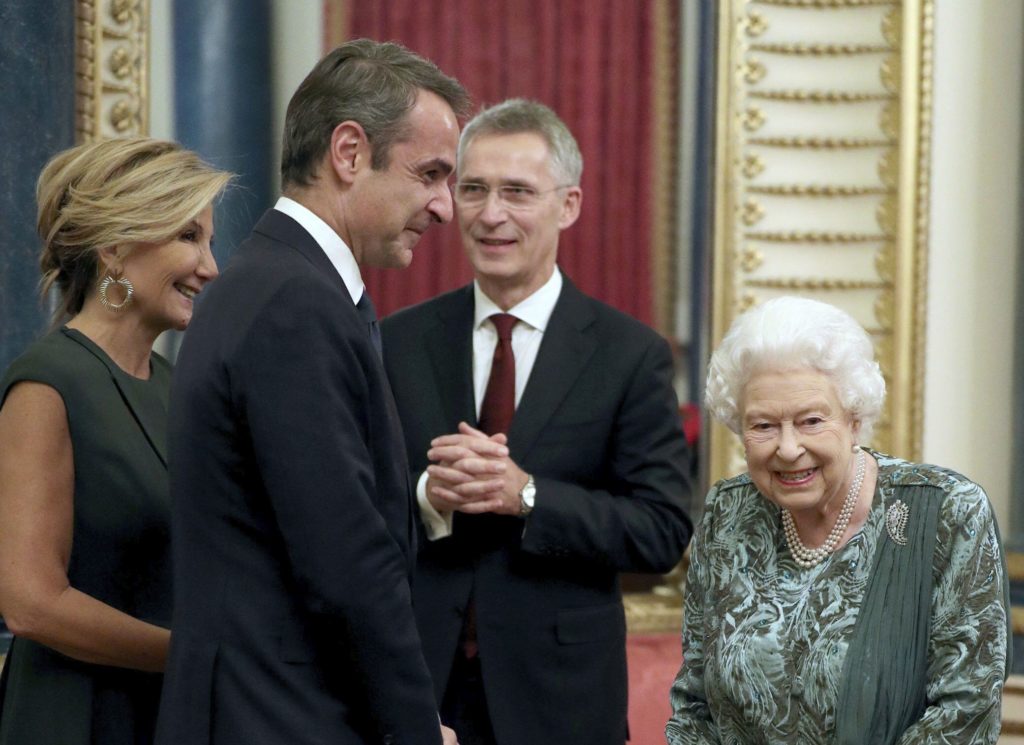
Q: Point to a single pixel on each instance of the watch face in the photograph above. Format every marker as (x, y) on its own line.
(526, 497)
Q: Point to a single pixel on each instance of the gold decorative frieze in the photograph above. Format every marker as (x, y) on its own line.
(817, 190)
(889, 120)
(825, 4)
(752, 166)
(823, 143)
(752, 212)
(820, 50)
(651, 613)
(753, 119)
(820, 96)
(756, 24)
(863, 242)
(815, 237)
(887, 215)
(754, 71)
(885, 265)
(751, 259)
(889, 168)
(111, 68)
(892, 26)
(812, 285)
(891, 73)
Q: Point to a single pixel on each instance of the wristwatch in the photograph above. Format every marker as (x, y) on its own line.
(527, 496)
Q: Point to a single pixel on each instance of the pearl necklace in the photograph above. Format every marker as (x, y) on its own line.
(809, 557)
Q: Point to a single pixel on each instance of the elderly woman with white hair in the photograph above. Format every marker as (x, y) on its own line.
(835, 594)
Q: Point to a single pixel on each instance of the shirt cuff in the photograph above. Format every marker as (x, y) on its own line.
(438, 524)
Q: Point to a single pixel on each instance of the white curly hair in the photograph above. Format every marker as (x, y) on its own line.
(789, 333)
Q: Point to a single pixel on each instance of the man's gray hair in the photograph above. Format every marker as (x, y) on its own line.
(518, 115)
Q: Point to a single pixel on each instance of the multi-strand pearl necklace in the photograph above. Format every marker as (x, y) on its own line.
(809, 557)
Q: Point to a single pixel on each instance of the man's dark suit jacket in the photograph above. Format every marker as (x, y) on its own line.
(598, 426)
(293, 522)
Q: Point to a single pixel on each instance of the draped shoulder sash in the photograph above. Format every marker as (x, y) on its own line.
(883, 688)
(885, 672)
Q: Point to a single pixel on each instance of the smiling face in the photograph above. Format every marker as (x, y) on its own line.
(798, 440)
(167, 276)
(513, 251)
(395, 205)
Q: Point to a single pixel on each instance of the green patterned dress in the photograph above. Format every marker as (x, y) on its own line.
(765, 641)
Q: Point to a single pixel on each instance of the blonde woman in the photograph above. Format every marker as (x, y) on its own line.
(127, 228)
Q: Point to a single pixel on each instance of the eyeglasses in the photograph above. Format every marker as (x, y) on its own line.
(474, 194)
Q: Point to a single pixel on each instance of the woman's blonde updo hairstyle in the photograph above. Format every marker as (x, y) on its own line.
(793, 333)
(113, 193)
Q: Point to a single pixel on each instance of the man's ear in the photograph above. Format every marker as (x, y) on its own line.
(570, 207)
(349, 151)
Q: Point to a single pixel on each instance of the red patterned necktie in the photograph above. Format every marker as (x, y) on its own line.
(499, 402)
(496, 412)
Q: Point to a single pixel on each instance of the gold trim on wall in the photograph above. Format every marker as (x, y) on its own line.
(864, 248)
(821, 50)
(111, 68)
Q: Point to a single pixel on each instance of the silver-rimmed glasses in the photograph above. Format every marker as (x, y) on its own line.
(512, 196)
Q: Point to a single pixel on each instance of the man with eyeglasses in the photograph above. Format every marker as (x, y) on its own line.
(546, 448)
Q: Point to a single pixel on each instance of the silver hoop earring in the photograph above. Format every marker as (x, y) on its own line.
(125, 284)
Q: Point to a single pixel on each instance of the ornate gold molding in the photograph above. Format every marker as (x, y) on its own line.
(111, 68)
(817, 190)
(825, 4)
(816, 237)
(810, 285)
(823, 143)
(821, 50)
(650, 613)
(798, 96)
(868, 251)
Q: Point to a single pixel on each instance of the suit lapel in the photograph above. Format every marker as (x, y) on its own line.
(567, 346)
(280, 227)
(450, 349)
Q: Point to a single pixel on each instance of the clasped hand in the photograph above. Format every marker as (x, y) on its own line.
(472, 472)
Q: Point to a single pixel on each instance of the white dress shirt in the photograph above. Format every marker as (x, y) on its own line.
(534, 314)
(331, 243)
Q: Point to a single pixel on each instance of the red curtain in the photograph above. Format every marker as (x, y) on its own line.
(589, 61)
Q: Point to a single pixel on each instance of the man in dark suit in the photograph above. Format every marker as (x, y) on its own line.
(573, 472)
(293, 519)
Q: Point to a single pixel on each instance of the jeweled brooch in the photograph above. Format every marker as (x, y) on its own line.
(896, 522)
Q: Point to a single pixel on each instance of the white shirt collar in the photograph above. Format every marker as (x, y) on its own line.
(339, 254)
(535, 310)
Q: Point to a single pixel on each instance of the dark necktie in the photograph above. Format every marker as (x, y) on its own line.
(369, 315)
(499, 402)
(496, 412)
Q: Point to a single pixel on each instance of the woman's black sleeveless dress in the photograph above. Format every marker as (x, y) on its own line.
(120, 551)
